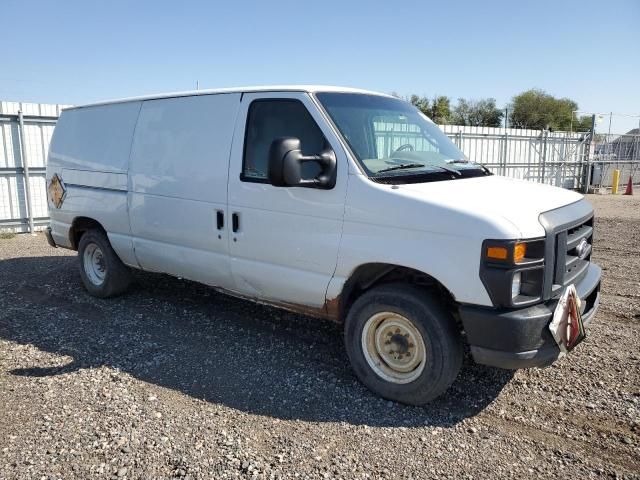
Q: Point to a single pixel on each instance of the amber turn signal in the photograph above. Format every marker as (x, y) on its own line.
(497, 253)
(519, 252)
(502, 253)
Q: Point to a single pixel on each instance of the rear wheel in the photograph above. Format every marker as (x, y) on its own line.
(403, 344)
(103, 273)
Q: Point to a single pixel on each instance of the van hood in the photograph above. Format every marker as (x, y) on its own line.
(518, 201)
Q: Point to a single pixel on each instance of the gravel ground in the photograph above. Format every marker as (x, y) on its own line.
(175, 380)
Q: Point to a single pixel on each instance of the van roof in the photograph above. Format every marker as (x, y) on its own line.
(265, 88)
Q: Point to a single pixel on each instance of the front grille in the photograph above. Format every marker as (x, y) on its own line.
(573, 253)
(568, 246)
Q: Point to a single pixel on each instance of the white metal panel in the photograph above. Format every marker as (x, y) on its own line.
(34, 145)
(181, 147)
(108, 207)
(38, 196)
(11, 191)
(10, 108)
(10, 145)
(97, 138)
(287, 243)
(178, 177)
(91, 178)
(37, 136)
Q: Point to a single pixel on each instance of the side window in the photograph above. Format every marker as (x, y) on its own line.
(268, 120)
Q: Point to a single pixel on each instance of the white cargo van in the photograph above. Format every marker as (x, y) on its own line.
(334, 202)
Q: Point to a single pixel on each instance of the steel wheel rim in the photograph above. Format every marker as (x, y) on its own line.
(393, 347)
(94, 265)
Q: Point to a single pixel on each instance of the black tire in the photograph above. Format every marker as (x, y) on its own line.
(442, 342)
(117, 276)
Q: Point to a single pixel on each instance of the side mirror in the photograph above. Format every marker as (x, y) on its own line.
(285, 165)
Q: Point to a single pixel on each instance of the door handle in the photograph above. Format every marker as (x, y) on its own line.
(220, 219)
(235, 222)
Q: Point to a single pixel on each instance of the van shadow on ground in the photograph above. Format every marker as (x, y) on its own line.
(184, 336)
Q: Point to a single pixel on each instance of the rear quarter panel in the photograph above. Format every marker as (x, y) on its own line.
(90, 151)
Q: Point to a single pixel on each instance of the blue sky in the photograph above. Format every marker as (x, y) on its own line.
(72, 51)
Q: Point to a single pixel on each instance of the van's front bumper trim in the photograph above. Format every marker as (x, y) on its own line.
(520, 338)
(50, 240)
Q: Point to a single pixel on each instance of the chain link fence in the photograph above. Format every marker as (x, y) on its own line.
(615, 152)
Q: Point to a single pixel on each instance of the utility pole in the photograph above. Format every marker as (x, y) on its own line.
(571, 124)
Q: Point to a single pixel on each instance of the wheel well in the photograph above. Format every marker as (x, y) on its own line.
(79, 226)
(372, 274)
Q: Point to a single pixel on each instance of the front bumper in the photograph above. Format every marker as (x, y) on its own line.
(520, 338)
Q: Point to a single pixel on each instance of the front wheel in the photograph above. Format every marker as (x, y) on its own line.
(403, 344)
(103, 273)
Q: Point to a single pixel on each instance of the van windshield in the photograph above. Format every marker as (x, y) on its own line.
(390, 137)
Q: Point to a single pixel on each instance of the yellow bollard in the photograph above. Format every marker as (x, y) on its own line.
(615, 182)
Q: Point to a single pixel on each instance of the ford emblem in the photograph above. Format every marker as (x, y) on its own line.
(582, 248)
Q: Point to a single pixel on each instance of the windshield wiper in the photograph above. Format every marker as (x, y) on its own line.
(417, 165)
(450, 170)
(480, 166)
(401, 167)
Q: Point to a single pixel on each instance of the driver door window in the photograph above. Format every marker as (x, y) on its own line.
(271, 119)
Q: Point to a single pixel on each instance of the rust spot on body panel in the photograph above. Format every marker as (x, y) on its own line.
(330, 310)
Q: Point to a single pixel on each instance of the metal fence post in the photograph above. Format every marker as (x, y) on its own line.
(505, 152)
(25, 167)
(544, 155)
(590, 152)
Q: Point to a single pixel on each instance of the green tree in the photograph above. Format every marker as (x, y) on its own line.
(421, 103)
(537, 109)
(438, 109)
(441, 110)
(581, 124)
(477, 113)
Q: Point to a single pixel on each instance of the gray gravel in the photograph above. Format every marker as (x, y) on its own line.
(175, 380)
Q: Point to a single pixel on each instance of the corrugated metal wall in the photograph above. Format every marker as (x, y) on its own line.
(39, 121)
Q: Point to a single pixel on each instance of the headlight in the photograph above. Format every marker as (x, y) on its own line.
(515, 284)
(512, 271)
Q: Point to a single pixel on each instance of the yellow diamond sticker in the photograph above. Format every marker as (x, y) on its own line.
(57, 191)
